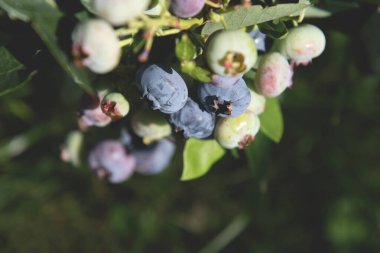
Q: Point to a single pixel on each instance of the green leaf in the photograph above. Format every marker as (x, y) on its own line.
(87, 5)
(272, 124)
(274, 30)
(196, 72)
(45, 17)
(199, 156)
(185, 49)
(12, 73)
(253, 15)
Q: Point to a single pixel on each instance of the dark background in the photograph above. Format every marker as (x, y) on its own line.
(316, 191)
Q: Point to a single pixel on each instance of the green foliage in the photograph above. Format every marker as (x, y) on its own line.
(12, 73)
(272, 123)
(199, 156)
(253, 15)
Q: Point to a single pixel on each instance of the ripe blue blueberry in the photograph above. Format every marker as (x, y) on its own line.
(164, 87)
(155, 158)
(225, 81)
(110, 161)
(186, 8)
(193, 121)
(225, 102)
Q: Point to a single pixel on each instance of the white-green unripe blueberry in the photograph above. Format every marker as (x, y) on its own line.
(150, 125)
(96, 46)
(231, 52)
(257, 104)
(237, 132)
(274, 75)
(119, 12)
(72, 147)
(115, 105)
(303, 43)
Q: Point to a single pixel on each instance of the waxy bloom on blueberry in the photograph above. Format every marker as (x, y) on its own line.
(257, 104)
(150, 125)
(237, 132)
(115, 106)
(95, 46)
(186, 8)
(274, 75)
(110, 161)
(225, 102)
(302, 44)
(119, 12)
(193, 121)
(155, 158)
(163, 86)
(231, 53)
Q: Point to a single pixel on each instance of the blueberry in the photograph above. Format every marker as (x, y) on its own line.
(237, 132)
(164, 87)
(119, 12)
(90, 112)
(225, 81)
(115, 105)
(231, 53)
(302, 44)
(259, 39)
(110, 161)
(96, 46)
(186, 8)
(257, 105)
(193, 121)
(150, 125)
(155, 158)
(274, 75)
(225, 102)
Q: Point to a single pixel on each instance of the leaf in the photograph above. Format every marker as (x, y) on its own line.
(87, 5)
(274, 30)
(196, 72)
(12, 73)
(199, 156)
(185, 49)
(272, 124)
(253, 15)
(45, 17)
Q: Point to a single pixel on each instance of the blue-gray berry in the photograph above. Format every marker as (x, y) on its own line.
(193, 121)
(225, 102)
(164, 87)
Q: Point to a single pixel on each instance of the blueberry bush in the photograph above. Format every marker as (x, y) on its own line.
(189, 126)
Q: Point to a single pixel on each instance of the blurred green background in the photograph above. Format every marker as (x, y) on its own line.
(316, 191)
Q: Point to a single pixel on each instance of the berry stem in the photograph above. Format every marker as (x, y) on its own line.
(214, 5)
(126, 42)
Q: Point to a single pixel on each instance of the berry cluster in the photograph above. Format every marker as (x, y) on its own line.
(219, 105)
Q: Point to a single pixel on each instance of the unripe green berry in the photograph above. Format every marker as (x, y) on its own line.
(257, 104)
(150, 125)
(115, 105)
(96, 46)
(71, 149)
(230, 53)
(237, 132)
(119, 12)
(303, 43)
(274, 75)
